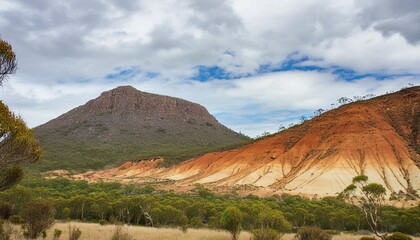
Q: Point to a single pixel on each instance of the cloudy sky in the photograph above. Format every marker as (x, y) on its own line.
(252, 64)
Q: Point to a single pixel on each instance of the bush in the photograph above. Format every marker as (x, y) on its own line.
(16, 219)
(65, 214)
(5, 210)
(74, 233)
(44, 234)
(38, 216)
(196, 222)
(231, 220)
(367, 238)
(57, 234)
(103, 222)
(120, 235)
(265, 234)
(312, 233)
(398, 236)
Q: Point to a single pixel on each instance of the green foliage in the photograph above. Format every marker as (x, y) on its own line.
(16, 219)
(360, 178)
(65, 151)
(8, 62)
(125, 204)
(398, 236)
(274, 219)
(102, 222)
(370, 203)
(265, 234)
(231, 220)
(65, 213)
(374, 190)
(5, 210)
(17, 142)
(17, 146)
(38, 216)
(57, 234)
(312, 233)
(10, 175)
(203, 191)
(196, 222)
(367, 238)
(74, 233)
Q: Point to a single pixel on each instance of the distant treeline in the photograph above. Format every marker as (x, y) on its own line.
(144, 205)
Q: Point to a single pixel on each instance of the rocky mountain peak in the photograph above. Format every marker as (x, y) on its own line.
(138, 123)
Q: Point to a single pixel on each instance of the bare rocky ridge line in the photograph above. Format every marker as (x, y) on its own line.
(319, 157)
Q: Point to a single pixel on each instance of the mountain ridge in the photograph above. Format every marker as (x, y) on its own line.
(378, 137)
(126, 124)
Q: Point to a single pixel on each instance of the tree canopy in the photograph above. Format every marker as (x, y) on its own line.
(17, 142)
(8, 62)
(370, 202)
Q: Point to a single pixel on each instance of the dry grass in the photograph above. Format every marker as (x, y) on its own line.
(93, 231)
(98, 232)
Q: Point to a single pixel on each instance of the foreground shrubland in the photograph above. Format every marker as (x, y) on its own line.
(109, 203)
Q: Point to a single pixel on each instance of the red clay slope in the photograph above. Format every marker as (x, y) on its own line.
(377, 137)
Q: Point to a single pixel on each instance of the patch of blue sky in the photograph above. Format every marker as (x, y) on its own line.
(256, 118)
(205, 73)
(125, 74)
(293, 62)
(351, 75)
(151, 75)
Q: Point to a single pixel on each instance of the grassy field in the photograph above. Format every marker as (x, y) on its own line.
(96, 232)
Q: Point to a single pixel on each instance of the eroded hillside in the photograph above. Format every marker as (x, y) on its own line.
(377, 137)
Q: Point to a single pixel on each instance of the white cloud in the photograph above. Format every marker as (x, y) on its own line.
(370, 51)
(65, 50)
(274, 98)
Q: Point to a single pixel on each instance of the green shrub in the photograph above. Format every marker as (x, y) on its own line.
(196, 222)
(74, 233)
(398, 236)
(38, 216)
(16, 219)
(265, 234)
(231, 220)
(312, 233)
(65, 214)
(5, 210)
(367, 238)
(103, 222)
(57, 234)
(44, 234)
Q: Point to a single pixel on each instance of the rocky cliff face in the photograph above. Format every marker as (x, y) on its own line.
(126, 124)
(377, 137)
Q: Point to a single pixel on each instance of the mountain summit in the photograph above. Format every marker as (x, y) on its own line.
(126, 124)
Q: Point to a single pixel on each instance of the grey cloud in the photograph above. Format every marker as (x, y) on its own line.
(214, 16)
(390, 16)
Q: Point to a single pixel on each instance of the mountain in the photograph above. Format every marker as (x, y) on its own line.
(377, 137)
(126, 124)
